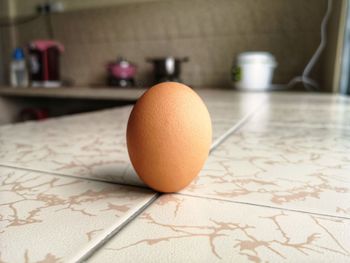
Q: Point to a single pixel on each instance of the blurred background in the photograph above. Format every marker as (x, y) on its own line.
(68, 56)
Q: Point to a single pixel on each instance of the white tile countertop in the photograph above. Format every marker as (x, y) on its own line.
(275, 188)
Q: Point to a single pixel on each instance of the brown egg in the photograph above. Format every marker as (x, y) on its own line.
(169, 136)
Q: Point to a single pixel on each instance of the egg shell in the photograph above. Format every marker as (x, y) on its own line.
(169, 136)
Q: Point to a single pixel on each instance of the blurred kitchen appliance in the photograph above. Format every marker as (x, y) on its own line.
(44, 63)
(167, 68)
(121, 73)
(254, 71)
(37, 114)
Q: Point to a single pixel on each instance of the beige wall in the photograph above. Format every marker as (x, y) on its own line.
(4, 8)
(28, 7)
(210, 32)
(7, 8)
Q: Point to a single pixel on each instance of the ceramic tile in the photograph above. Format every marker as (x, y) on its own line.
(179, 228)
(224, 116)
(227, 108)
(299, 169)
(306, 114)
(50, 218)
(88, 145)
(306, 101)
(247, 100)
(93, 145)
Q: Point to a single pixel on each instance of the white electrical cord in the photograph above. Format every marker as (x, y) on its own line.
(304, 78)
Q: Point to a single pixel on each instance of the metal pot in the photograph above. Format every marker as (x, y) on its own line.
(167, 69)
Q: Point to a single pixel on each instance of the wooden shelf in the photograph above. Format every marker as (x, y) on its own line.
(102, 93)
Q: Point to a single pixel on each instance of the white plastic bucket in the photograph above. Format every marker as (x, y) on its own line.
(254, 71)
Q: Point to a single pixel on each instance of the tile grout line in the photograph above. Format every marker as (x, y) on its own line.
(216, 143)
(227, 134)
(96, 245)
(82, 257)
(85, 255)
(264, 206)
(236, 126)
(70, 176)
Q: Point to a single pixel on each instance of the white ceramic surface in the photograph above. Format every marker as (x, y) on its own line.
(187, 229)
(275, 190)
(301, 169)
(48, 218)
(93, 145)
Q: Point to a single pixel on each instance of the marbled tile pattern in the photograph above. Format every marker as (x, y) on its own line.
(187, 229)
(306, 100)
(227, 108)
(51, 218)
(305, 115)
(276, 190)
(86, 145)
(93, 145)
(302, 169)
(225, 115)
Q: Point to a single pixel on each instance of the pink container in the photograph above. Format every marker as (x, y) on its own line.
(122, 69)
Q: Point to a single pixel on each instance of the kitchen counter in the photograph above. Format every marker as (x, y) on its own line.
(101, 93)
(74, 99)
(276, 187)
